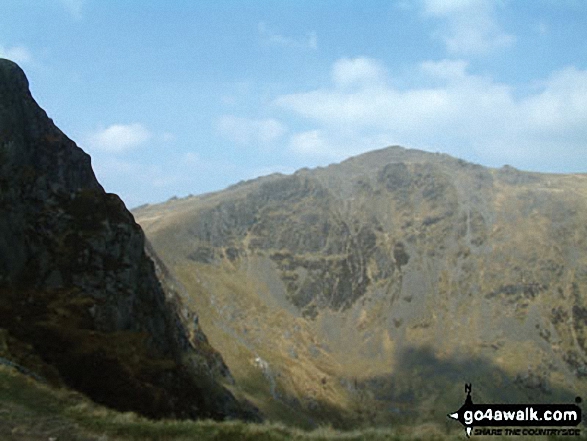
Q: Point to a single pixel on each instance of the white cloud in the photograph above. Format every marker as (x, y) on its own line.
(119, 137)
(379, 107)
(357, 71)
(18, 54)
(336, 145)
(445, 69)
(561, 107)
(470, 25)
(269, 36)
(247, 131)
(463, 114)
(310, 143)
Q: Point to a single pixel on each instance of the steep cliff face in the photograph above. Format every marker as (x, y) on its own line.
(373, 289)
(80, 302)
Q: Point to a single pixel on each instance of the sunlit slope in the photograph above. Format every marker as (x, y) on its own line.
(370, 291)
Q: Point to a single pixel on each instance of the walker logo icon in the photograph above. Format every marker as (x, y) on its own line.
(543, 416)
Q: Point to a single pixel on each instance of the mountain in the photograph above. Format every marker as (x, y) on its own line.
(369, 292)
(80, 302)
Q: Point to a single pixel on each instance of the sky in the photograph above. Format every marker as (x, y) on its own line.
(172, 98)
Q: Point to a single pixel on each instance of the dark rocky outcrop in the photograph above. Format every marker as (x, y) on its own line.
(80, 302)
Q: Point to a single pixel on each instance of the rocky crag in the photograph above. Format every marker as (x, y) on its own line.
(370, 291)
(80, 301)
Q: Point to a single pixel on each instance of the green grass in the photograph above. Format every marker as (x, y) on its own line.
(32, 411)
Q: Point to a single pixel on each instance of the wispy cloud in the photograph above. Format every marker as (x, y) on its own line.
(468, 26)
(119, 138)
(178, 173)
(269, 36)
(462, 114)
(73, 7)
(18, 54)
(311, 143)
(167, 137)
(249, 131)
(542, 27)
(148, 180)
(357, 71)
(336, 144)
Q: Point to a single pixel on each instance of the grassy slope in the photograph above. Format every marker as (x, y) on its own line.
(32, 411)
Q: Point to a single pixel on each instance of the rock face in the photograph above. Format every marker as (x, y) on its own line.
(80, 301)
(376, 287)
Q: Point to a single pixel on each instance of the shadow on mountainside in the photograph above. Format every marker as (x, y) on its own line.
(424, 388)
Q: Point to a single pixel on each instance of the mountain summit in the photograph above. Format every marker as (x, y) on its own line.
(371, 291)
(80, 302)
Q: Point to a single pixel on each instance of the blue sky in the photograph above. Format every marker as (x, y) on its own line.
(186, 97)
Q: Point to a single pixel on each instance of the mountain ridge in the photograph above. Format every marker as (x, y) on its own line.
(374, 156)
(339, 277)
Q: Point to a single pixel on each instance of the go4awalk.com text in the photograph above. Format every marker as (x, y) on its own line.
(518, 419)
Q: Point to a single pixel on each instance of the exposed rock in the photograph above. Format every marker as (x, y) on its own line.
(76, 284)
(419, 272)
